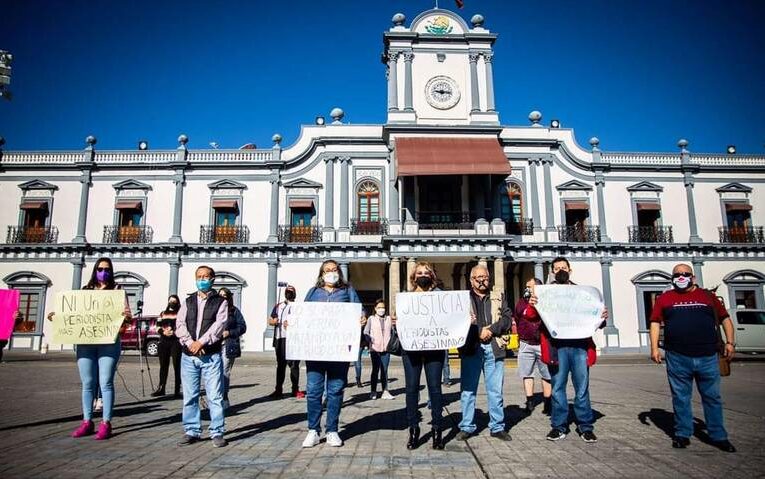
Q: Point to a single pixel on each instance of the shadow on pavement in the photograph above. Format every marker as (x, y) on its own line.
(665, 421)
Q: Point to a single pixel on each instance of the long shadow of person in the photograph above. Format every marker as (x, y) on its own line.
(259, 428)
(665, 420)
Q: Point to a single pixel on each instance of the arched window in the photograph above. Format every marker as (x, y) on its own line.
(233, 282)
(368, 201)
(511, 202)
(133, 284)
(648, 286)
(745, 289)
(32, 289)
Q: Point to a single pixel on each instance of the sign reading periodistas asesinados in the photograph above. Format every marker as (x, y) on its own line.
(431, 321)
(323, 331)
(88, 316)
(568, 311)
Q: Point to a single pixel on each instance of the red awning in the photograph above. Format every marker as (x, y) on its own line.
(34, 205)
(450, 156)
(738, 207)
(128, 205)
(225, 204)
(577, 205)
(301, 203)
(648, 207)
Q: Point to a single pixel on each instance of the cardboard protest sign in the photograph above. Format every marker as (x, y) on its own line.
(568, 311)
(323, 331)
(88, 316)
(432, 321)
(9, 304)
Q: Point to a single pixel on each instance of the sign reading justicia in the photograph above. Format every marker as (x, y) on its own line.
(431, 321)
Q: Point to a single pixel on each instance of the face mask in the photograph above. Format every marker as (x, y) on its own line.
(331, 278)
(423, 281)
(682, 283)
(103, 276)
(561, 277)
(380, 311)
(204, 285)
(174, 307)
(527, 294)
(483, 285)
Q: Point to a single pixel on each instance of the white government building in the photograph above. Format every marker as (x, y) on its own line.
(442, 180)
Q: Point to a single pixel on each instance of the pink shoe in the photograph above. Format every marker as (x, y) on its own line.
(86, 428)
(104, 431)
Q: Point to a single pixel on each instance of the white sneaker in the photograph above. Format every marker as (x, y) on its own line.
(99, 405)
(387, 395)
(373, 396)
(333, 439)
(311, 439)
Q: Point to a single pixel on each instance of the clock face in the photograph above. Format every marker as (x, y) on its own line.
(442, 92)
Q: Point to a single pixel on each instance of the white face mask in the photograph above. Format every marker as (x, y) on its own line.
(681, 282)
(331, 278)
(380, 311)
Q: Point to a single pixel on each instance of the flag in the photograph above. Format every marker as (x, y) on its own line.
(460, 3)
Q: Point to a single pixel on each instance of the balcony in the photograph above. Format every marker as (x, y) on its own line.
(32, 234)
(128, 234)
(650, 234)
(523, 227)
(742, 234)
(579, 234)
(445, 220)
(369, 228)
(224, 234)
(299, 234)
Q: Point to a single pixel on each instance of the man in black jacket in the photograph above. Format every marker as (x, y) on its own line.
(484, 350)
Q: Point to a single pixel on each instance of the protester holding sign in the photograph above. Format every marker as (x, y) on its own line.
(97, 363)
(484, 351)
(529, 350)
(378, 333)
(330, 287)
(568, 356)
(692, 317)
(422, 280)
(201, 321)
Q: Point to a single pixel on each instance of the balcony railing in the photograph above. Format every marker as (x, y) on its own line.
(363, 227)
(445, 220)
(740, 234)
(32, 234)
(128, 234)
(523, 227)
(650, 234)
(579, 234)
(299, 234)
(224, 234)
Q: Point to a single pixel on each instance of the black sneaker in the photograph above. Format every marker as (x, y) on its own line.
(679, 442)
(588, 436)
(218, 441)
(463, 436)
(188, 440)
(502, 436)
(724, 446)
(555, 435)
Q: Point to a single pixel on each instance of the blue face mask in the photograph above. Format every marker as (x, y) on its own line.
(204, 285)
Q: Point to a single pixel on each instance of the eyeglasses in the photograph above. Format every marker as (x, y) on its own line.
(683, 274)
(101, 270)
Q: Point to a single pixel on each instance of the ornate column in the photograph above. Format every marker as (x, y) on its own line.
(408, 56)
(394, 209)
(484, 262)
(273, 226)
(539, 270)
(611, 332)
(549, 215)
(344, 192)
(394, 283)
(329, 197)
(393, 81)
(179, 179)
(77, 265)
(474, 100)
(86, 165)
(344, 269)
(499, 274)
(410, 265)
(487, 60)
(533, 162)
(273, 264)
(175, 265)
(697, 270)
(688, 171)
(600, 182)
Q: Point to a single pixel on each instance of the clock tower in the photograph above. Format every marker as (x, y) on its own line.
(440, 70)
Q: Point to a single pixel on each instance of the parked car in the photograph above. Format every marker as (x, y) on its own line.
(149, 335)
(749, 327)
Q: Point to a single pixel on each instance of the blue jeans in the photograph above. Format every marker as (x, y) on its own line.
(97, 364)
(357, 366)
(193, 369)
(494, 376)
(681, 371)
(571, 360)
(335, 374)
(414, 363)
(380, 362)
(447, 371)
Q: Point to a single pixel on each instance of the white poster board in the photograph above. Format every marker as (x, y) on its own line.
(569, 311)
(323, 331)
(432, 321)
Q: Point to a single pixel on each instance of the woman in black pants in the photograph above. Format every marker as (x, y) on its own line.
(169, 347)
(423, 279)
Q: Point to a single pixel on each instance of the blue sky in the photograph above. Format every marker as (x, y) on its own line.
(639, 75)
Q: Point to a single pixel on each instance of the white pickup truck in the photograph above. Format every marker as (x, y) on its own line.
(749, 327)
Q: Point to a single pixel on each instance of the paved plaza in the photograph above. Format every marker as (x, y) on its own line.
(40, 406)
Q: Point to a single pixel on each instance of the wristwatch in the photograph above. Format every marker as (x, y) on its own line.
(732, 344)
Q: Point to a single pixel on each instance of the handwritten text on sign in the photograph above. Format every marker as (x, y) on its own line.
(570, 312)
(88, 316)
(432, 321)
(323, 331)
